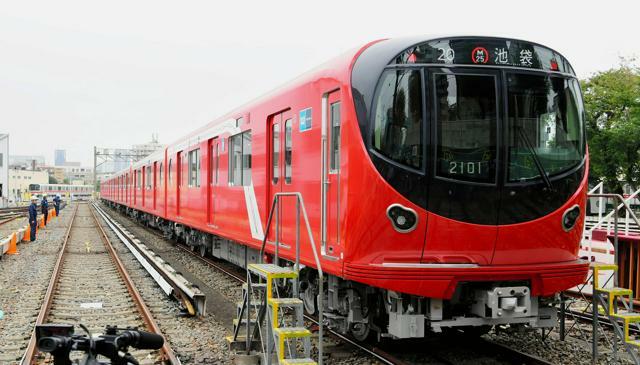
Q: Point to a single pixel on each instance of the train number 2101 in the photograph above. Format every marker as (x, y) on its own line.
(466, 168)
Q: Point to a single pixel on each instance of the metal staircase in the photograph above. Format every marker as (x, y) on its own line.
(272, 323)
(608, 299)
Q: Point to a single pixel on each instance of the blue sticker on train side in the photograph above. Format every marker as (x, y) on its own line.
(305, 120)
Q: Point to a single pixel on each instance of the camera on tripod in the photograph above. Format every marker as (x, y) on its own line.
(59, 340)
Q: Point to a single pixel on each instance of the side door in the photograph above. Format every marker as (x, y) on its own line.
(154, 183)
(144, 194)
(280, 179)
(213, 178)
(332, 130)
(179, 180)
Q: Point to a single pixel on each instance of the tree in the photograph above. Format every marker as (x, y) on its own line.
(612, 103)
(52, 180)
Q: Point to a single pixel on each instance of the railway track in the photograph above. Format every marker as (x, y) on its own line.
(90, 285)
(12, 210)
(8, 218)
(383, 354)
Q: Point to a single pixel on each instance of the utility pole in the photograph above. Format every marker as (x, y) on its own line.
(101, 156)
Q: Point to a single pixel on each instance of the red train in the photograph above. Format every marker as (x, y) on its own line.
(445, 181)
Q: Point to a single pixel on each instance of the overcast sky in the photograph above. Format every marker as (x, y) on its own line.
(74, 74)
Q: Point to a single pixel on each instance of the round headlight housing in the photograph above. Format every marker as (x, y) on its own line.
(570, 217)
(403, 219)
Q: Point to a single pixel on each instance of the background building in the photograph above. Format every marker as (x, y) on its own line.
(56, 173)
(78, 175)
(19, 181)
(26, 162)
(4, 170)
(107, 161)
(59, 157)
(145, 149)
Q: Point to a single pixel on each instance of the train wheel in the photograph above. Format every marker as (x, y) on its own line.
(360, 331)
(203, 250)
(309, 299)
(309, 293)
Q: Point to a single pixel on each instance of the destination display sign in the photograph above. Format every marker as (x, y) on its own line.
(485, 52)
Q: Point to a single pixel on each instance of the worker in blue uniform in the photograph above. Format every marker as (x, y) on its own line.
(45, 207)
(56, 204)
(33, 217)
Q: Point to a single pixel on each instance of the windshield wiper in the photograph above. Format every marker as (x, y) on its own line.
(536, 159)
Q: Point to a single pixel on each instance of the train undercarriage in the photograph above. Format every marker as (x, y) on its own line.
(367, 312)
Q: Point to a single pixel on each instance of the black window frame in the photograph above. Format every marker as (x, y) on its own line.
(275, 151)
(498, 76)
(288, 148)
(426, 115)
(231, 179)
(505, 145)
(147, 178)
(193, 172)
(334, 141)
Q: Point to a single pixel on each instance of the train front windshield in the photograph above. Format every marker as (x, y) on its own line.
(545, 123)
(468, 112)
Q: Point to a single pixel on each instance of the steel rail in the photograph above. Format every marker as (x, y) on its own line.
(373, 351)
(587, 317)
(30, 353)
(515, 356)
(22, 209)
(194, 302)
(10, 219)
(147, 316)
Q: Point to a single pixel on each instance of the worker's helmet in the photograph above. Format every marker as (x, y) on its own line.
(58, 195)
(33, 197)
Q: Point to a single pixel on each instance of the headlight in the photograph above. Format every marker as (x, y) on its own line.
(570, 217)
(403, 219)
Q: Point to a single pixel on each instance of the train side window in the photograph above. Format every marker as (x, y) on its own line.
(288, 150)
(160, 175)
(170, 173)
(398, 124)
(139, 178)
(184, 171)
(212, 164)
(217, 162)
(148, 178)
(334, 159)
(275, 147)
(240, 159)
(194, 168)
(246, 158)
(235, 159)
